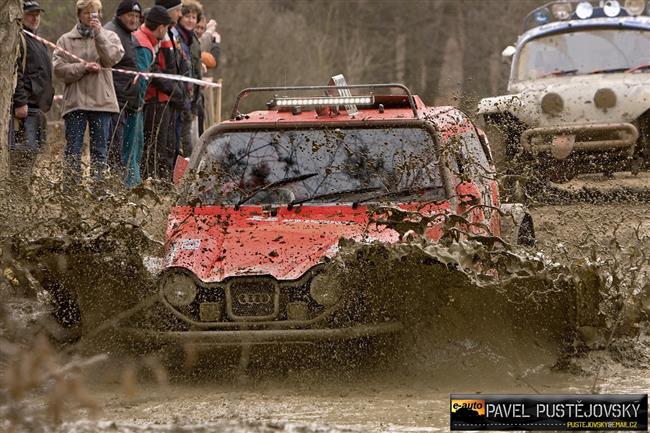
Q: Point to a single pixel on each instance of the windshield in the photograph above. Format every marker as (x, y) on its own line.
(583, 52)
(323, 161)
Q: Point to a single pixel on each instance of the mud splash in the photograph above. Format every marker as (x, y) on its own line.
(472, 304)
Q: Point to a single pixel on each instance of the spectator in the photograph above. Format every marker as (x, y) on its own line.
(210, 57)
(162, 100)
(124, 23)
(33, 95)
(147, 39)
(89, 95)
(210, 44)
(191, 50)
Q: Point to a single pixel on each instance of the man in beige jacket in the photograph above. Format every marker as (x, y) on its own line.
(89, 95)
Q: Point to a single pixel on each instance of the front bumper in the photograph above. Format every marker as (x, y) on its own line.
(588, 138)
(263, 336)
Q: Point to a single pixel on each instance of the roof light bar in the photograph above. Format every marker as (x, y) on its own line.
(325, 100)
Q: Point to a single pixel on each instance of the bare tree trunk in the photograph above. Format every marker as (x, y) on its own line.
(11, 12)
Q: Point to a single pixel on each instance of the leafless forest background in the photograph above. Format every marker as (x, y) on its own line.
(447, 51)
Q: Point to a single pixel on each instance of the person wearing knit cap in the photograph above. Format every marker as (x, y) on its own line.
(162, 101)
(147, 38)
(124, 23)
(32, 96)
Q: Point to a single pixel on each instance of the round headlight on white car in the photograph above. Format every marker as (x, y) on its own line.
(552, 103)
(325, 289)
(179, 290)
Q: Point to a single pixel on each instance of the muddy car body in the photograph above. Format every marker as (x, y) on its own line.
(269, 197)
(579, 89)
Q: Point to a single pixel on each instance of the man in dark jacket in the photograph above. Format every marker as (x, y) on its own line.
(33, 95)
(162, 100)
(125, 22)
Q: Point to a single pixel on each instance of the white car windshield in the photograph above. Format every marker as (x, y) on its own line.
(583, 52)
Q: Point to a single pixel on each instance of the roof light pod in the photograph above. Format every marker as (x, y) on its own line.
(584, 10)
(562, 11)
(612, 8)
(542, 16)
(635, 7)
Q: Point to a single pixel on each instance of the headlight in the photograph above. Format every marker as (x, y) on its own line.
(179, 290)
(635, 7)
(605, 98)
(552, 103)
(325, 289)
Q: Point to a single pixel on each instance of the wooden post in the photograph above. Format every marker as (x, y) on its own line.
(11, 14)
(208, 104)
(217, 111)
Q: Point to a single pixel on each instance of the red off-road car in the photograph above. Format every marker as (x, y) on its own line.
(267, 196)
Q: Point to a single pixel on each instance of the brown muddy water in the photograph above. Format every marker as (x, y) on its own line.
(534, 330)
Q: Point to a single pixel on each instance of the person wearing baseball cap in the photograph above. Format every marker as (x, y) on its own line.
(32, 97)
(124, 23)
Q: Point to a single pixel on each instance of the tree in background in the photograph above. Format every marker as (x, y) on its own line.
(11, 14)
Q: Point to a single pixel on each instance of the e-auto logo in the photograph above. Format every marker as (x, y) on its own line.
(467, 410)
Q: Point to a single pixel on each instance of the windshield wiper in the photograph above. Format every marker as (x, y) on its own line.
(638, 67)
(335, 194)
(558, 73)
(608, 71)
(274, 184)
(407, 191)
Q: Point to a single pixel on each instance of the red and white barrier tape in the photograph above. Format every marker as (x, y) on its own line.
(136, 74)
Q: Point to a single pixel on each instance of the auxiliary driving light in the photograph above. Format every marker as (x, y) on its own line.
(612, 8)
(605, 98)
(210, 311)
(179, 290)
(635, 7)
(561, 11)
(325, 101)
(297, 311)
(542, 16)
(325, 289)
(584, 10)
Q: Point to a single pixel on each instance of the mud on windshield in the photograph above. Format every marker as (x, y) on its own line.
(316, 165)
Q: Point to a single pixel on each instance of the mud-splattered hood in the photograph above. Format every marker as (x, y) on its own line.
(216, 243)
(631, 90)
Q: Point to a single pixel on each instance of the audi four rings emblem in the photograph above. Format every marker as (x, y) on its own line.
(254, 298)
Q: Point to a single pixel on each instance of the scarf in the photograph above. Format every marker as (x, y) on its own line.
(85, 31)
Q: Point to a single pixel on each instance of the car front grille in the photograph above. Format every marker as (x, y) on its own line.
(252, 299)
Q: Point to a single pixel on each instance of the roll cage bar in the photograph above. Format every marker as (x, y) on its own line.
(246, 92)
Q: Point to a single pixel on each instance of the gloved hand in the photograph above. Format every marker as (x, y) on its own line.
(211, 26)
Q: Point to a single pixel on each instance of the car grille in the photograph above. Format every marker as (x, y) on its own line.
(252, 299)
